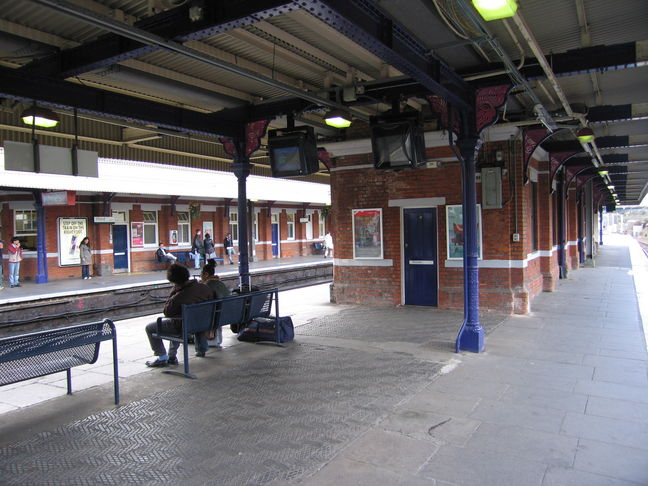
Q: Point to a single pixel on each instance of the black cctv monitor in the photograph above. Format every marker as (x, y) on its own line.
(397, 142)
(293, 152)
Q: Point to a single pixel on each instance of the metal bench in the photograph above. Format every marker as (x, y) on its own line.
(210, 315)
(41, 353)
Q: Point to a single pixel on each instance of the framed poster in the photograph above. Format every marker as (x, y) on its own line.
(367, 233)
(208, 228)
(137, 234)
(455, 232)
(70, 233)
(173, 237)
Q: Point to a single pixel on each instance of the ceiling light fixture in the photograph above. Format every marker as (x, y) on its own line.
(337, 119)
(40, 117)
(585, 135)
(603, 172)
(495, 9)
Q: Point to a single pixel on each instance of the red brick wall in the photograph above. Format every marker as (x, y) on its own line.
(502, 289)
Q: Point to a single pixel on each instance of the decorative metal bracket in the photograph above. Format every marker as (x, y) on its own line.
(254, 132)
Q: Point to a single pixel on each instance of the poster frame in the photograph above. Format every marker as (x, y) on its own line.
(454, 215)
(75, 259)
(361, 223)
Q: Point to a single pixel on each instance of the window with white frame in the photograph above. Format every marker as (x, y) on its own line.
(150, 228)
(233, 225)
(290, 217)
(25, 227)
(183, 228)
(255, 228)
(322, 227)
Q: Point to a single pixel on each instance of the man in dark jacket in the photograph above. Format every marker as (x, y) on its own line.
(184, 291)
(198, 248)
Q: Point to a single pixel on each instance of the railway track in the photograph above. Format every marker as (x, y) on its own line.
(140, 300)
(644, 245)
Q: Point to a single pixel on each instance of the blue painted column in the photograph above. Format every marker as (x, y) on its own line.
(41, 246)
(581, 230)
(562, 225)
(471, 335)
(242, 170)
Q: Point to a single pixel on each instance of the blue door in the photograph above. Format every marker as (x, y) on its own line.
(420, 256)
(275, 240)
(120, 246)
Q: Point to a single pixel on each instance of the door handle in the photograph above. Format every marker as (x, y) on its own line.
(421, 262)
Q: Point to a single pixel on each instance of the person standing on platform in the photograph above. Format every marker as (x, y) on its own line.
(210, 250)
(228, 244)
(198, 248)
(15, 257)
(184, 291)
(86, 258)
(328, 245)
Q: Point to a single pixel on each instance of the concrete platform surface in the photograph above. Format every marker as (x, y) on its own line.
(364, 396)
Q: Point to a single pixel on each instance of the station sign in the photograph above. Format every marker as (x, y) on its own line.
(59, 198)
(104, 219)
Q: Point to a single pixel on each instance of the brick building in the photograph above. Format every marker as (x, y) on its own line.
(125, 227)
(519, 254)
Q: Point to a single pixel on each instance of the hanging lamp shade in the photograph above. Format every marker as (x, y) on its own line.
(495, 9)
(337, 119)
(585, 135)
(41, 117)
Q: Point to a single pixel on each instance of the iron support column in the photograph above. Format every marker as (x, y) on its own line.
(471, 335)
(581, 236)
(562, 226)
(601, 225)
(242, 170)
(41, 234)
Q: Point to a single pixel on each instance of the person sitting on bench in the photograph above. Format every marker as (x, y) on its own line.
(184, 291)
(164, 256)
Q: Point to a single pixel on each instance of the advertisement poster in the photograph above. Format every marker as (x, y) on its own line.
(455, 231)
(173, 237)
(367, 233)
(70, 233)
(208, 229)
(137, 234)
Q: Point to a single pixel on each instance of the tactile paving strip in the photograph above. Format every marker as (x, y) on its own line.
(271, 419)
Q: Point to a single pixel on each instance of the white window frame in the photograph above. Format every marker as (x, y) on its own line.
(32, 231)
(290, 222)
(184, 228)
(150, 223)
(234, 226)
(321, 224)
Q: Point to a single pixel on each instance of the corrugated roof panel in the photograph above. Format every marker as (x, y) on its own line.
(210, 73)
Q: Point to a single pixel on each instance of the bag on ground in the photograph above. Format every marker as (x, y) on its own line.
(265, 329)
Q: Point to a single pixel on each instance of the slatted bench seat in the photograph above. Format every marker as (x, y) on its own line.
(210, 315)
(41, 353)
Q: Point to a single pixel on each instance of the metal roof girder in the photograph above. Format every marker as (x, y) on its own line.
(368, 26)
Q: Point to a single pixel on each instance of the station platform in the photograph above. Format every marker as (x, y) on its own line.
(365, 396)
